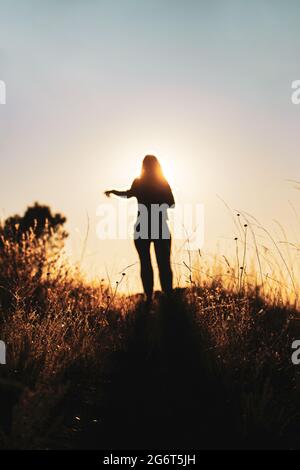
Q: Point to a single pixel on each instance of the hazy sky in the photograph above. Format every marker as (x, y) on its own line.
(92, 86)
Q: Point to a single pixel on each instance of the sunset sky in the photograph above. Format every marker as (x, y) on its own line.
(94, 86)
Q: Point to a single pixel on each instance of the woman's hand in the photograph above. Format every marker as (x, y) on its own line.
(116, 193)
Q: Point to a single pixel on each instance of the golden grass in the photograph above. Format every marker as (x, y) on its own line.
(60, 329)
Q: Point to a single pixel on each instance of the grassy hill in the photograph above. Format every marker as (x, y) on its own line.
(89, 368)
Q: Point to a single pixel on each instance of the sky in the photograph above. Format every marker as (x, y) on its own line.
(93, 86)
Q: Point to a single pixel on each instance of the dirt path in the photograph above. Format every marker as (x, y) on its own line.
(158, 394)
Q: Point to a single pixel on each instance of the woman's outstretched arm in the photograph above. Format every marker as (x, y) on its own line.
(129, 193)
(118, 193)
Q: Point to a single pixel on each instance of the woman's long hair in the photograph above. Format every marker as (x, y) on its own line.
(151, 169)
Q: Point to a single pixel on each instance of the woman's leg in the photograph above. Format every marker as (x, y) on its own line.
(143, 249)
(163, 254)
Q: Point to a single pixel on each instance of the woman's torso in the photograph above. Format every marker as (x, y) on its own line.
(154, 198)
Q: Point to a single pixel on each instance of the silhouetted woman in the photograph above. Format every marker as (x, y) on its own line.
(154, 197)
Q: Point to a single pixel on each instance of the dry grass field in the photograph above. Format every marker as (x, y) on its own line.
(89, 367)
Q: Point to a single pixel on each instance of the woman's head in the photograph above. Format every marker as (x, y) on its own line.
(151, 168)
